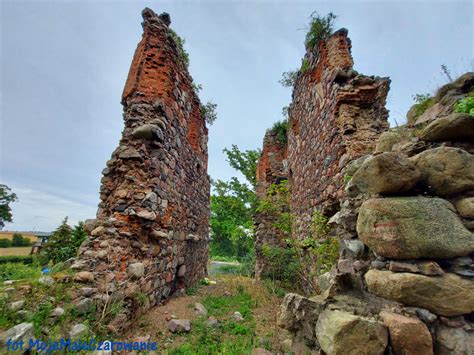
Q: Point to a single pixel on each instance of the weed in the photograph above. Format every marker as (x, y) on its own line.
(347, 178)
(422, 103)
(280, 129)
(320, 224)
(18, 271)
(320, 28)
(182, 54)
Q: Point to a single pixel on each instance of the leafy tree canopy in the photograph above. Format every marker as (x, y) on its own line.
(6, 197)
(244, 161)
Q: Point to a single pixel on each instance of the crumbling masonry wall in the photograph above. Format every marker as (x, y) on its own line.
(336, 116)
(272, 168)
(151, 233)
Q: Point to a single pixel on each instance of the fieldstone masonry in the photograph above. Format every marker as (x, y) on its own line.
(335, 117)
(272, 168)
(404, 280)
(151, 233)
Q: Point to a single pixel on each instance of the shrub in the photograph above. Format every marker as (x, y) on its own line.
(466, 105)
(280, 129)
(320, 28)
(208, 111)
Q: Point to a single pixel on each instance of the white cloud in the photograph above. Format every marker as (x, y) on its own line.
(41, 211)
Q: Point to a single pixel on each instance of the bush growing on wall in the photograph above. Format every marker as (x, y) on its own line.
(320, 28)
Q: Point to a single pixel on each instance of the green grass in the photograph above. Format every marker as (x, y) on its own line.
(230, 337)
(18, 271)
(227, 259)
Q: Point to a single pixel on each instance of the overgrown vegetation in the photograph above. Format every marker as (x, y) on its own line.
(208, 111)
(18, 271)
(300, 261)
(182, 54)
(63, 243)
(277, 203)
(320, 28)
(280, 129)
(466, 105)
(6, 198)
(422, 103)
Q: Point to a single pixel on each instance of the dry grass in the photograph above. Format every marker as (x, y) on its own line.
(15, 251)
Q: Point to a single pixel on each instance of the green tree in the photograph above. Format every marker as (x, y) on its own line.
(244, 161)
(6, 197)
(79, 234)
(64, 242)
(232, 205)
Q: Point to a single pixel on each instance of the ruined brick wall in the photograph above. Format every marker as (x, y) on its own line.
(336, 116)
(272, 168)
(151, 232)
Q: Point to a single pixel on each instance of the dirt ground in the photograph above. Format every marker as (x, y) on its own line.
(153, 325)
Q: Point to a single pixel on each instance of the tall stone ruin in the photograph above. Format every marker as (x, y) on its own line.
(151, 233)
(336, 116)
(404, 216)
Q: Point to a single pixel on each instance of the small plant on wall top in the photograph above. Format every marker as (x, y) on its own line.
(320, 28)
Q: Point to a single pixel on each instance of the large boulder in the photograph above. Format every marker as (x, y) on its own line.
(450, 341)
(299, 315)
(413, 227)
(386, 173)
(445, 171)
(407, 335)
(446, 295)
(389, 138)
(341, 332)
(455, 127)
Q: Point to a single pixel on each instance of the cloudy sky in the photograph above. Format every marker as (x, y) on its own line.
(64, 64)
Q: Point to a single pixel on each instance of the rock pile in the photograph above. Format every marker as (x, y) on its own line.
(405, 277)
(150, 238)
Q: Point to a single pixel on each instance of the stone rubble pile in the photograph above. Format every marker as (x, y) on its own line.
(404, 282)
